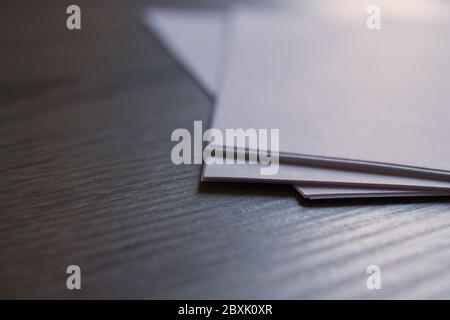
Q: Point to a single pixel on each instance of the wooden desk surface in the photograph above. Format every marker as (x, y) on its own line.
(86, 179)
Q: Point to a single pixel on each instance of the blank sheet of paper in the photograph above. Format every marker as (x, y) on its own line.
(340, 92)
(178, 29)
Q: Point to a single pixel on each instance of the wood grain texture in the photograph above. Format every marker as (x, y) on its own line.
(86, 179)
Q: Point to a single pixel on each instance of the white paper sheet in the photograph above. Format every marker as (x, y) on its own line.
(315, 193)
(181, 29)
(340, 92)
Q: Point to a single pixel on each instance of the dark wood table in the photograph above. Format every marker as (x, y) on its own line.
(86, 179)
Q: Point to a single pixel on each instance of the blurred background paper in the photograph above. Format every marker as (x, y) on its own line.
(180, 30)
(194, 37)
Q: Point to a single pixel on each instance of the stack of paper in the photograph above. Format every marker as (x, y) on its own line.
(360, 112)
